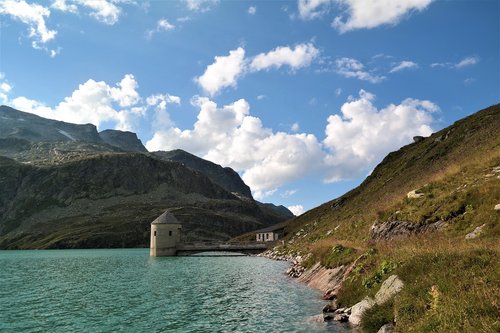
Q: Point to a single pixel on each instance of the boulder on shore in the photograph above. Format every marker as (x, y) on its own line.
(389, 288)
(359, 309)
(387, 328)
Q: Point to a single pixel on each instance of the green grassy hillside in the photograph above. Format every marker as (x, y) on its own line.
(452, 284)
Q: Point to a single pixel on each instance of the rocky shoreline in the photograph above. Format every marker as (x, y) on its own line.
(329, 282)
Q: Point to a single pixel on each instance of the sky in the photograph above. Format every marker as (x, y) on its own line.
(302, 98)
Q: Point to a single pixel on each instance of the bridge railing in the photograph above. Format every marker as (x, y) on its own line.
(213, 243)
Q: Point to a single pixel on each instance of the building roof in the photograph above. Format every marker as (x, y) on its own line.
(166, 218)
(275, 227)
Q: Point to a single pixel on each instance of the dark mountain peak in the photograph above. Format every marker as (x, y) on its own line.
(124, 140)
(227, 178)
(30, 127)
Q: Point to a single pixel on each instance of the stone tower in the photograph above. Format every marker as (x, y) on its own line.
(165, 235)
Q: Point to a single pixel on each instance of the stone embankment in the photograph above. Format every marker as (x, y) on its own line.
(329, 281)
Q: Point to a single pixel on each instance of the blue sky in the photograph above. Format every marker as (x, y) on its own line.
(302, 98)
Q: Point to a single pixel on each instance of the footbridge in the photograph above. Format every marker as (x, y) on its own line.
(184, 249)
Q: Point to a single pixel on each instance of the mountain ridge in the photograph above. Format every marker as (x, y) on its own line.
(82, 188)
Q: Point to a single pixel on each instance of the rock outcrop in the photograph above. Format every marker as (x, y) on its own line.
(358, 309)
(476, 232)
(387, 328)
(414, 194)
(389, 288)
(394, 228)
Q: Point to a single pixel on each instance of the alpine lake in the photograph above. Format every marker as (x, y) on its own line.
(126, 290)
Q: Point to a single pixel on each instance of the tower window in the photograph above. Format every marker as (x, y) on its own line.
(170, 232)
(155, 233)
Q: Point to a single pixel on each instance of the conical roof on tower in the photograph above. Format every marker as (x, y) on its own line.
(166, 218)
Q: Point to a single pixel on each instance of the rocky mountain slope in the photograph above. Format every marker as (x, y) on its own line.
(430, 214)
(224, 177)
(68, 186)
(127, 141)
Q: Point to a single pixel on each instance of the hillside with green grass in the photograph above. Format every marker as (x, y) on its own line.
(427, 213)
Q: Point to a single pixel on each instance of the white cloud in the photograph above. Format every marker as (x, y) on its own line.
(230, 136)
(296, 209)
(102, 10)
(465, 62)
(53, 53)
(300, 56)
(33, 15)
(367, 14)
(288, 193)
(161, 25)
(161, 100)
(363, 135)
(354, 142)
(201, 5)
(63, 6)
(338, 91)
(164, 25)
(224, 72)
(469, 81)
(469, 61)
(405, 64)
(295, 127)
(93, 102)
(96, 102)
(5, 87)
(126, 91)
(252, 10)
(261, 97)
(352, 68)
(440, 64)
(311, 9)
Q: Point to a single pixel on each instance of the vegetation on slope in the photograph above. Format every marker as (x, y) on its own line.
(452, 284)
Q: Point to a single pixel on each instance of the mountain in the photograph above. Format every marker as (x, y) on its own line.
(429, 213)
(224, 177)
(127, 141)
(27, 126)
(227, 178)
(84, 189)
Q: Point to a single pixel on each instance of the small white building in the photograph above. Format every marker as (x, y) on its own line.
(270, 234)
(165, 235)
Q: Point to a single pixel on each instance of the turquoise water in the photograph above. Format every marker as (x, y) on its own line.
(125, 290)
